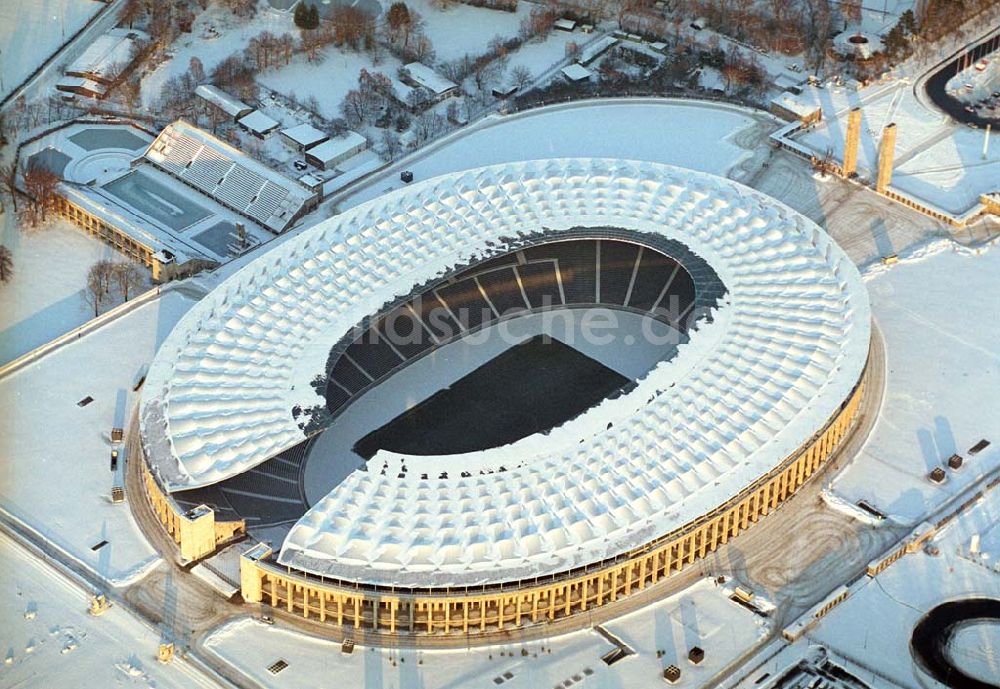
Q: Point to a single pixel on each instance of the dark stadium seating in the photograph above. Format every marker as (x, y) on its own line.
(617, 265)
(267, 494)
(502, 289)
(576, 272)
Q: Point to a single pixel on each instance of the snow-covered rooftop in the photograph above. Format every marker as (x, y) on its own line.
(258, 122)
(576, 72)
(594, 50)
(106, 54)
(429, 79)
(304, 135)
(332, 149)
(780, 356)
(803, 104)
(229, 104)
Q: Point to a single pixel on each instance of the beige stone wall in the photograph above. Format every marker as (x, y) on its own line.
(457, 611)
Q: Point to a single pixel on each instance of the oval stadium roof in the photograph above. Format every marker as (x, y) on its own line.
(784, 349)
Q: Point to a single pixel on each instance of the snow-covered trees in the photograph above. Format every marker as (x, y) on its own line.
(6, 264)
(40, 188)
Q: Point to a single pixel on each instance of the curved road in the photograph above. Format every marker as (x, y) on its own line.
(935, 84)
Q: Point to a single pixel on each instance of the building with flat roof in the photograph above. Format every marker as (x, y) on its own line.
(258, 124)
(302, 137)
(332, 152)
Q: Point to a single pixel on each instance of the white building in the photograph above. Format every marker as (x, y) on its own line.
(576, 73)
(422, 75)
(302, 137)
(332, 152)
(231, 105)
(258, 124)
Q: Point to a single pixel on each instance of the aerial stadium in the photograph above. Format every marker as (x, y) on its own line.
(406, 414)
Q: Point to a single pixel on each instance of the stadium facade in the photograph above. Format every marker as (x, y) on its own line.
(773, 331)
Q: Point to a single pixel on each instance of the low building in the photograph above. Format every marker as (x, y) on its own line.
(797, 108)
(576, 73)
(418, 74)
(258, 124)
(596, 49)
(564, 24)
(302, 137)
(101, 63)
(332, 152)
(231, 105)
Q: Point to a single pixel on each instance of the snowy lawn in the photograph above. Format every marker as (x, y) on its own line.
(31, 31)
(46, 297)
(940, 316)
(700, 616)
(692, 135)
(50, 640)
(233, 35)
(464, 29)
(55, 474)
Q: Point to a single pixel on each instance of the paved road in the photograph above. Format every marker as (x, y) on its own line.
(935, 84)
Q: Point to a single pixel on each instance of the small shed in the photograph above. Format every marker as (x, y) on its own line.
(564, 24)
(258, 124)
(302, 137)
(576, 73)
(334, 151)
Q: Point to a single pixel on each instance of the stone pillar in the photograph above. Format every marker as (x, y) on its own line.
(886, 153)
(852, 142)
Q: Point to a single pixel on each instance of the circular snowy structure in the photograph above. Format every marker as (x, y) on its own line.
(766, 380)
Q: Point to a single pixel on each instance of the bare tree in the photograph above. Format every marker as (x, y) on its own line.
(391, 145)
(520, 77)
(40, 186)
(8, 178)
(127, 277)
(96, 292)
(6, 264)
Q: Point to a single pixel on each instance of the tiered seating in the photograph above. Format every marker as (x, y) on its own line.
(228, 176)
(502, 289)
(267, 494)
(617, 264)
(406, 334)
(649, 279)
(240, 186)
(374, 354)
(540, 284)
(269, 198)
(660, 281)
(466, 303)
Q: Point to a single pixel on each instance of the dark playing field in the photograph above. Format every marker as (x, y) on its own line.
(532, 387)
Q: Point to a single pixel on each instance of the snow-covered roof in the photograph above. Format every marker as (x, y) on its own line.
(305, 135)
(802, 105)
(595, 49)
(777, 360)
(228, 175)
(576, 72)
(429, 79)
(106, 53)
(258, 122)
(231, 105)
(332, 149)
(564, 24)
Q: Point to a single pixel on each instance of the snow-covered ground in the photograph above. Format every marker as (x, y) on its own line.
(46, 296)
(216, 34)
(940, 315)
(55, 474)
(693, 135)
(31, 31)
(49, 639)
(660, 634)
